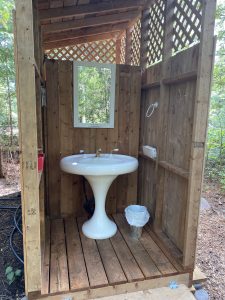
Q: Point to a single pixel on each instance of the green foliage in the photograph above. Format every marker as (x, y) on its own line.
(12, 275)
(216, 130)
(8, 107)
(94, 94)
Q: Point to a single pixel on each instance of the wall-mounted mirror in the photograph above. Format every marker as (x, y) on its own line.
(94, 94)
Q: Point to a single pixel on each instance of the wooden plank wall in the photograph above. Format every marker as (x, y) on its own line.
(65, 190)
(179, 98)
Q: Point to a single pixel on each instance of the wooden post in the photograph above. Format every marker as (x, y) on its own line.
(144, 38)
(26, 95)
(163, 107)
(201, 109)
(118, 51)
(1, 169)
(128, 47)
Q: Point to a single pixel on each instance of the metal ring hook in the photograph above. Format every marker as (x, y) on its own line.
(151, 106)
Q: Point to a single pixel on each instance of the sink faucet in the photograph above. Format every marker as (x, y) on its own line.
(98, 152)
(114, 150)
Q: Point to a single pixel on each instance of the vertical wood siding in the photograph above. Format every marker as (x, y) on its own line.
(65, 190)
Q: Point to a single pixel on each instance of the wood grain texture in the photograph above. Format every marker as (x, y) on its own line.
(77, 270)
(200, 121)
(46, 261)
(59, 280)
(169, 129)
(142, 257)
(160, 259)
(95, 269)
(53, 139)
(25, 48)
(93, 264)
(111, 263)
(127, 260)
(65, 191)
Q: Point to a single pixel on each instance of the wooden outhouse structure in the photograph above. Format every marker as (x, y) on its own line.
(163, 51)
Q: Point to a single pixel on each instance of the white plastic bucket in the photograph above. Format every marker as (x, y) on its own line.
(137, 216)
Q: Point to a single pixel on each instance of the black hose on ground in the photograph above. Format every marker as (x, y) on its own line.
(16, 218)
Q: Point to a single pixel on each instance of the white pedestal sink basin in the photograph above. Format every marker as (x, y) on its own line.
(100, 173)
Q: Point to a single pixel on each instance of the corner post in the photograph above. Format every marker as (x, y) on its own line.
(201, 109)
(27, 115)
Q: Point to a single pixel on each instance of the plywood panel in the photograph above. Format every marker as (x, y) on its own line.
(66, 195)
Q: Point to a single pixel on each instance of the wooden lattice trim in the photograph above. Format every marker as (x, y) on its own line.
(136, 44)
(187, 23)
(155, 32)
(98, 51)
(123, 50)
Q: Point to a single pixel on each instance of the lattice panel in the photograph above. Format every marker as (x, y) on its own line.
(155, 32)
(99, 51)
(123, 50)
(187, 23)
(136, 44)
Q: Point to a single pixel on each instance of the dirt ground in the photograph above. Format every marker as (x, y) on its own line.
(211, 241)
(10, 184)
(211, 237)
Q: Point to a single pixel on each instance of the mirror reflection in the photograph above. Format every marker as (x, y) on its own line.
(94, 95)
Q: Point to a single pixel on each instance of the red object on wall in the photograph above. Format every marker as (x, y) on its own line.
(41, 159)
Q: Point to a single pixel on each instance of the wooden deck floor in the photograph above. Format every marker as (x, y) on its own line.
(74, 262)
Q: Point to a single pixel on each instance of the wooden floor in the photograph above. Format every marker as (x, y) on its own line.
(74, 262)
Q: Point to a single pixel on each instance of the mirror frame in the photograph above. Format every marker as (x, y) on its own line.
(112, 67)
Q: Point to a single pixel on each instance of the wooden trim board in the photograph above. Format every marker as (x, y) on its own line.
(117, 289)
(198, 276)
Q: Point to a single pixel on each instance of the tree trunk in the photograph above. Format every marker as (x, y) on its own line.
(10, 112)
(1, 170)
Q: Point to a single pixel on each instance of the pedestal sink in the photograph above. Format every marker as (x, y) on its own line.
(100, 173)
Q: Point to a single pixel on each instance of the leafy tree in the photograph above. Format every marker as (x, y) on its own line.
(94, 94)
(216, 129)
(8, 108)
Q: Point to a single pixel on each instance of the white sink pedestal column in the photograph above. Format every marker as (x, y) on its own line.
(99, 226)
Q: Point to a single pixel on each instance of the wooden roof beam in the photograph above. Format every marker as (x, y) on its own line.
(92, 21)
(86, 9)
(80, 40)
(79, 33)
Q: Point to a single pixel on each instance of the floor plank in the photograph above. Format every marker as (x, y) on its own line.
(59, 280)
(96, 273)
(160, 259)
(75, 262)
(46, 261)
(172, 253)
(77, 270)
(111, 263)
(142, 257)
(127, 261)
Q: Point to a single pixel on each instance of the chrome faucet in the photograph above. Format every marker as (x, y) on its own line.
(98, 152)
(114, 150)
